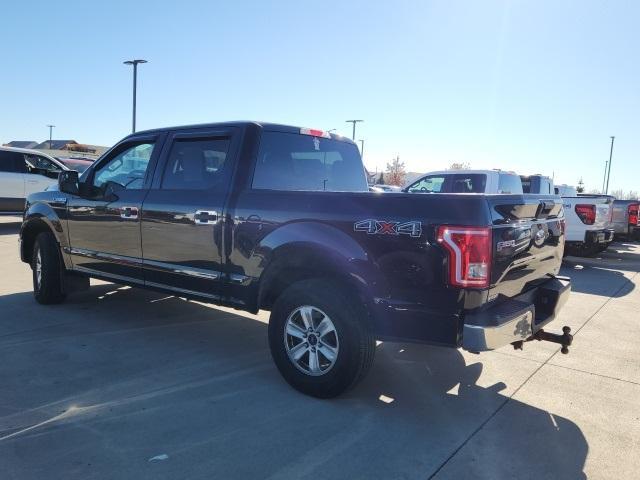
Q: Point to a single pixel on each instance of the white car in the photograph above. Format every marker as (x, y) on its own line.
(23, 172)
(588, 221)
(467, 181)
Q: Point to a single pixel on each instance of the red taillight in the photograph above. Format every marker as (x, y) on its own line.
(587, 213)
(633, 213)
(469, 251)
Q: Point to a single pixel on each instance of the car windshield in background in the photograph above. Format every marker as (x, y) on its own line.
(289, 161)
(450, 183)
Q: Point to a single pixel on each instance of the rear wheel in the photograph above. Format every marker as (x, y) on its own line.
(320, 339)
(47, 270)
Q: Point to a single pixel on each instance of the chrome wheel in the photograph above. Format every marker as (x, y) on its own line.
(38, 269)
(311, 340)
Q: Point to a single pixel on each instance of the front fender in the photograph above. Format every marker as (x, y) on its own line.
(38, 216)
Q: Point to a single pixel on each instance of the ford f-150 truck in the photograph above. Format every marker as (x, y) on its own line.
(263, 216)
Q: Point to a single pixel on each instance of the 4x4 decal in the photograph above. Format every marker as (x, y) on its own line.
(384, 227)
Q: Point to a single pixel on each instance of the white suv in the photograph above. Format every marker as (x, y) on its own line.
(467, 181)
(23, 172)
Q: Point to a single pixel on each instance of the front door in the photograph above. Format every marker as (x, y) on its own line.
(183, 213)
(104, 223)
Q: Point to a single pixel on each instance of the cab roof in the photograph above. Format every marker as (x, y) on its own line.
(267, 126)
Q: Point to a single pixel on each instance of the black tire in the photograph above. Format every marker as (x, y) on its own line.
(352, 329)
(47, 288)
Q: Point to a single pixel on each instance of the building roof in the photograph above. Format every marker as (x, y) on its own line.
(54, 144)
(21, 144)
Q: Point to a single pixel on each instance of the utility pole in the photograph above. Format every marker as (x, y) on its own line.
(606, 191)
(51, 127)
(135, 81)
(361, 149)
(353, 136)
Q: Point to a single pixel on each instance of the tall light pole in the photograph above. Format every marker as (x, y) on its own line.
(135, 81)
(361, 149)
(51, 127)
(353, 137)
(606, 191)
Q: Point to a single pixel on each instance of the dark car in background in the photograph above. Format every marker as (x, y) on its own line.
(77, 164)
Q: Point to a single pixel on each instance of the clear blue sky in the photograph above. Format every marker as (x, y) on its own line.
(533, 86)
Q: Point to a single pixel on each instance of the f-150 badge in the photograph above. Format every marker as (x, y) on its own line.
(383, 227)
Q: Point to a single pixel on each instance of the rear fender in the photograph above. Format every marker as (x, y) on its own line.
(318, 250)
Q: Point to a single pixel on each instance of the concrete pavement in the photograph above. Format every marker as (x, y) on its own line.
(122, 383)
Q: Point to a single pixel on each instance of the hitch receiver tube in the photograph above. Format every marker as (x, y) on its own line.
(565, 339)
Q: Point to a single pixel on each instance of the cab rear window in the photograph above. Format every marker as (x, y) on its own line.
(289, 161)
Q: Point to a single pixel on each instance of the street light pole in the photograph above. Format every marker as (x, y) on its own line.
(135, 82)
(353, 137)
(51, 127)
(361, 149)
(609, 171)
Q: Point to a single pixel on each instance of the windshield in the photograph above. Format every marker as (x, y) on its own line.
(450, 183)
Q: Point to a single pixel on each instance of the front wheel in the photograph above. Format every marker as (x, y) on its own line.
(320, 339)
(47, 270)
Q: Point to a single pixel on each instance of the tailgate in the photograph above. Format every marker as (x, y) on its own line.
(528, 242)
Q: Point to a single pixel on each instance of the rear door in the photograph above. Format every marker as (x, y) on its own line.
(12, 170)
(528, 242)
(183, 214)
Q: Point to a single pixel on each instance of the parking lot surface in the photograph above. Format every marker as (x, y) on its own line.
(123, 383)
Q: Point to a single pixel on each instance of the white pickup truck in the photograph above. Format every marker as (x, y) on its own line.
(588, 221)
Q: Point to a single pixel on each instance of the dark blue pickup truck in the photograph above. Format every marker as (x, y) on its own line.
(262, 216)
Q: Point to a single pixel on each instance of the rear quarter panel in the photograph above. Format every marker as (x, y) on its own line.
(402, 275)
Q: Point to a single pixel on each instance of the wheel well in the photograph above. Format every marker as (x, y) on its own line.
(287, 276)
(29, 234)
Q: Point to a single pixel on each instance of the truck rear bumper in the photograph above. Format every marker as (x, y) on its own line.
(515, 319)
(598, 237)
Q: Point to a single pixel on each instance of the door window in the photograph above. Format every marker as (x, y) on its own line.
(38, 164)
(128, 168)
(197, 164)
(12, 162)
(430, 184)
(508, 183)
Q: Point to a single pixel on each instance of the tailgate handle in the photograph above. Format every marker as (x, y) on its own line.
(544, 207)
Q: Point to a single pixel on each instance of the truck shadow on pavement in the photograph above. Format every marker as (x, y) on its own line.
(596, 279)
(107, 384)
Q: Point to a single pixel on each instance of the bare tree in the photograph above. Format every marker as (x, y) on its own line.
(580, 187)
(619, 194)
(459, 166)
(395, 173)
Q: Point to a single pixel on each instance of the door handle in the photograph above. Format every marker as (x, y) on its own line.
(129, 213)
(205, 217)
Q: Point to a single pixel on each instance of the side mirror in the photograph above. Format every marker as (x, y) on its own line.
(68, 182)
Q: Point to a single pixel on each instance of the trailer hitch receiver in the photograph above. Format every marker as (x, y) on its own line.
(565, 339)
